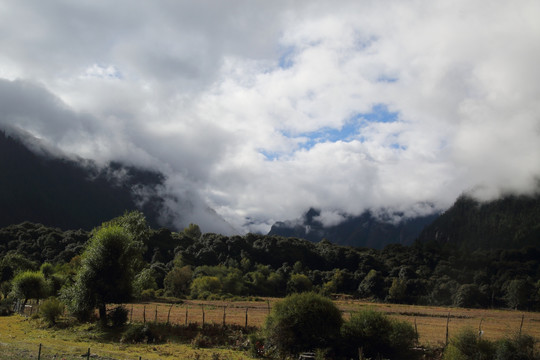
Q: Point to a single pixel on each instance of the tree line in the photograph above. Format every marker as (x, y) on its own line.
(190, 264)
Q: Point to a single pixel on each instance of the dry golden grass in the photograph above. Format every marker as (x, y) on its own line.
(430, 320)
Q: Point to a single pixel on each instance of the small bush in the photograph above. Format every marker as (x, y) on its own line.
(467, 345)
(6, 307)
(201, 341)
(139, 334)
(148, 294)
(519, 347)
(118, 316)
(51, 309)
(303, 322)
(377, 335)
(256, 345)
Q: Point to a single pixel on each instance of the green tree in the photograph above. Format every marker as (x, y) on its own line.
(106, 273)
(29, 285)
(144, 280)
(303, 322)
(299, 283)
(204, 285)
(193, 231)
(47, 269)
(177, 280)
(468, 295)
(518, 293)
(372, 285)
(398, 290)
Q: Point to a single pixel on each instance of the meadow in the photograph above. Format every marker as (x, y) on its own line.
(20, 336)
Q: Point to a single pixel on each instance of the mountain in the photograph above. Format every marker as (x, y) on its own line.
(365, 230)
(510, 222)
(40, 186)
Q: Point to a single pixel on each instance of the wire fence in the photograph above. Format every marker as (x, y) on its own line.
(189, 312)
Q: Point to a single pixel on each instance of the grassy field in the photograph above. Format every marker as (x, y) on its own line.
(430, 321)
(20, 337)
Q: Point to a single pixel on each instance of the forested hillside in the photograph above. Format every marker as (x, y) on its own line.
(63, 193)
(191, 264)
(510, 222)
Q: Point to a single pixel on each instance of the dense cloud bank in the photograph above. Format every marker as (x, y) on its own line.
(263, 110)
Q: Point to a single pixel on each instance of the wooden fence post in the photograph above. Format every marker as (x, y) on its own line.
(202, 307)
(88, 354)
(480, 332)
(155, 317)
(144, 314)
(39, 353)
(187, 307)
(268, 305)
(169, 314)
(224, 315)
(447, 321)
(246, 318)
(521, 325)
(415, 329)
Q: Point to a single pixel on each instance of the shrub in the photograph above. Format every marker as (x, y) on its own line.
(118, 316)
(205, 285)
(148, 294)
(519, 347)
(51, 309)
(201, 341)
(139, 334)
(377, 335)
(6, 307)
(303, 322)
(467, 345)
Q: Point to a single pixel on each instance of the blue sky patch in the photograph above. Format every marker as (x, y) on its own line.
(286, 60)
(351, 130)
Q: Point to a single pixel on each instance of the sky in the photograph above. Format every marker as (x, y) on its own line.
(258, 110)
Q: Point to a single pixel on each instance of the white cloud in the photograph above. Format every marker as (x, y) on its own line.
(202, 91)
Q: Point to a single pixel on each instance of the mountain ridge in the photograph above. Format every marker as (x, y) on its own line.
(39, 186)
(364, 230)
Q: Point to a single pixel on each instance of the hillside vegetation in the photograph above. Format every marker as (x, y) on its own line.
(211, 266)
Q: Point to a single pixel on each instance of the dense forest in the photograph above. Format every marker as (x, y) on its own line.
(210, 266)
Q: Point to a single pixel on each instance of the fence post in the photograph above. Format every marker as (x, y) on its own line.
(169, 314)
(88, 354)
(246, 318)
(480, 332)
(39, 353)
(224, 307)
(131, 315)
(415, 329)
(155, 317)
(202, 307)
(521, 325)
(144, 314)
(447, 321)
(268, 304)
(187, 307)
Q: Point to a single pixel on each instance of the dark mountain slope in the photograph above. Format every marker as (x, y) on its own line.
(365, 230)
(510, 222)
(68, 194)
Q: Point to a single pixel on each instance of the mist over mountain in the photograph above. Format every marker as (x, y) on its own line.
(366, 230)
(39, 186)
